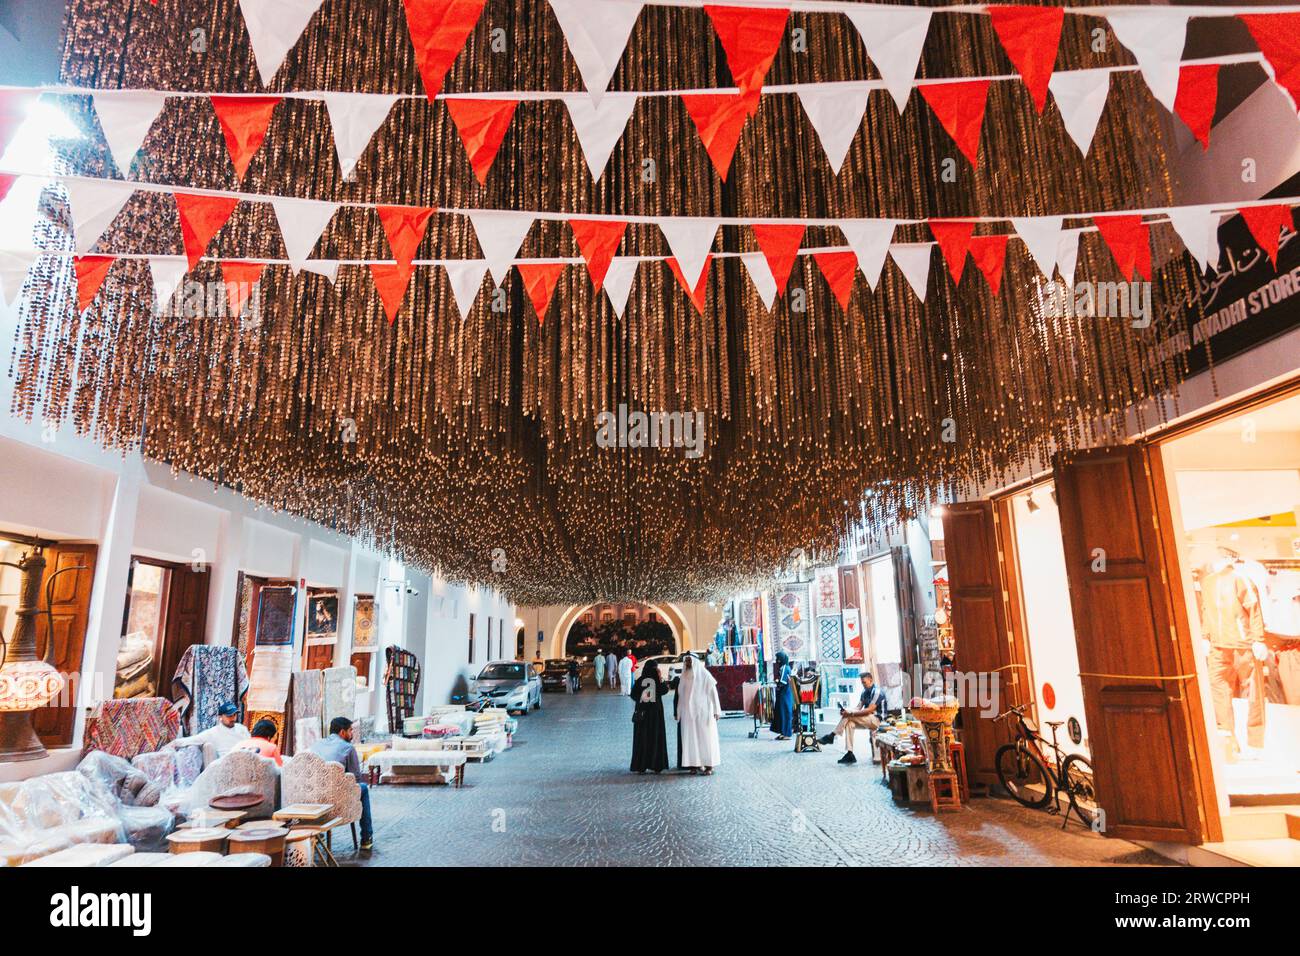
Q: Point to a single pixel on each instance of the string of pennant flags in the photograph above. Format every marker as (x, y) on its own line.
(94, 203)
(597, 34)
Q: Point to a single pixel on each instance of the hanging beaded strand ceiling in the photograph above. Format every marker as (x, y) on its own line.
(467, 446)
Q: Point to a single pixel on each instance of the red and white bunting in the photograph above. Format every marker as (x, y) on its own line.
(894, 38)
(1155, 36)
(126, 118)
(500, 234)
(913, 260)
(596, 34)
(691, 241)
(839, 269)
(598, 240)
(274, 27)
(1081, 98)
(869, 239)
(244, 120)
(1067, 254)
(989, 253)
(1278, 37)
(405, 227)
(1031, 37)
(391, 281)
(599, 125)
(482, 125)
(466, 279)
(326, 268)
(1198, 93)
(301, 223)
(760, 274)
(750, 38)
(719, 118)
(618, 282)
(698, 291)
(90, 272)
(167, 273)
(1042, 237)
(1266, 224)
(779, 243)
(1129, 241)
(960, 108)
(240, 278)
(438, 31)
(540, 279)
(13, 272)
(835, 115)
(6, 183)
(354, 118)
(95, 204)
(954, 239)
(1198, 227)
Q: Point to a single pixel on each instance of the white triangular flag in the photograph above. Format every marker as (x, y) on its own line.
(1155, 36)
(466, 278)
(691, 241)
(274, 26)
(500, 233)
(1041, 235)
(301, 223)
(329, 268)
(13, 272)
(354, 117)
(894, 39)
(869, 239)
(1067, 255)
(596, 34)
(599, 125)
(618, 281)
(125, 118)
(168, 273)
(95, 203)
(760, 273)
(1081, 97)
(836, 115)
(1198, 227)
(913, 260)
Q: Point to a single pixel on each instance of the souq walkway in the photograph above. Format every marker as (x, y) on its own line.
(563, 796)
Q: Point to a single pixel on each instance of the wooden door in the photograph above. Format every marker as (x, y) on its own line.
(1140, 692)
(185, 621)
(70, 610)
(983, 641)
(905, 601)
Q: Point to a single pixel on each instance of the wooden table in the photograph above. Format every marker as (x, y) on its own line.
(216, 819)
(196, 840)
(267, 839)
(305, 813)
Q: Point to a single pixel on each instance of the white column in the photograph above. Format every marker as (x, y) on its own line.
(223, 581)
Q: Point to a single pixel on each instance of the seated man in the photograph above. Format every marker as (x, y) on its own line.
(871, 707)
(338, 748)
(224, 736)
(263, 742)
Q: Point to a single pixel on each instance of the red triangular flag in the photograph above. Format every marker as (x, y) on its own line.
(779, 243)
(1278, 37)
(6, 182)
(439, 29)
(391, 282)
(1198, 91)
(750, 37)
(954, 238)
(840, 269)
(91, 272)
(243, 122)
(960, 108)
(598, 240)
(239, 279)
(1129, 240)
(719, 117)
(1031, 36)
(539, 281)
(201, 218)
(701, 288)
(990, 255)
(482, 125)
(1265, 224)
(405, 227)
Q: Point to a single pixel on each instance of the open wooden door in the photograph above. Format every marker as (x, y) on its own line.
(982, 637)
(70, 610)
(187, 616)
(1140, 692)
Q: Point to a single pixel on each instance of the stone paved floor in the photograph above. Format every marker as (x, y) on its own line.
(563, 796)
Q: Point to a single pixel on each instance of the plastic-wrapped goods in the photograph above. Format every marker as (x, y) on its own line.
(127, 784)
(53, 812)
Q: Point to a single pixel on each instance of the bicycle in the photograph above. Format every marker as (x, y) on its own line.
(1034, 782)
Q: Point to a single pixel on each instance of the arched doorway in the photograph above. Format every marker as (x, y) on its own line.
(635, 627)
(666, 614)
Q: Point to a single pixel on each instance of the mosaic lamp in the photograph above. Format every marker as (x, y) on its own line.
(26, 681)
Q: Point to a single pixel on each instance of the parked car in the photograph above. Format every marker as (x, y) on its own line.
(670, 665)
(555, 674)
(513, 685)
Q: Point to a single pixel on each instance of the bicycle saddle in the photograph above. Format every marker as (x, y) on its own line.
(1053, 723)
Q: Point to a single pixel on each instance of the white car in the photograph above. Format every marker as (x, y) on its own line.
(513, 685)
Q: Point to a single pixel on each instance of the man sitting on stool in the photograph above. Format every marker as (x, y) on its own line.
(338, 748)
(871, 707)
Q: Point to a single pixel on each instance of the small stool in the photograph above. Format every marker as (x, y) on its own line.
(196, 840)
(267, 840)
(945, 793)
(958, 752)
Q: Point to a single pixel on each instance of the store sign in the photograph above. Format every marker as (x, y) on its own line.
(1245, 302)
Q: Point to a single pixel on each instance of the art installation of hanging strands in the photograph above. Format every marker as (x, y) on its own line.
(448, 439)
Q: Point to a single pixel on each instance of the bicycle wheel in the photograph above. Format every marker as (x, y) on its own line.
(1024, 776)
(1077, 780)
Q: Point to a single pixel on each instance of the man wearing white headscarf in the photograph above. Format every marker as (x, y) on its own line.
(698, 711)
(624, 672)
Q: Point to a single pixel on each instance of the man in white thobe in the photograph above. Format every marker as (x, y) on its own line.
(625, 673)
(698, 712)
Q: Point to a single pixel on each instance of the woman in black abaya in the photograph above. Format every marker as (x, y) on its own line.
(649, 739)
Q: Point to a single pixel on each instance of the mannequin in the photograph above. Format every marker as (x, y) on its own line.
(1233, 623)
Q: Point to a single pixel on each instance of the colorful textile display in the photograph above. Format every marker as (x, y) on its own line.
(853, 649)
(731, 683)
(306, 732)
(826, 589)
(363, 624)
(125, 728)
(339, 697)
(275, 612)
(207, 677)
(159, 766)
(791, 615)
(306, 693)
(830, 639)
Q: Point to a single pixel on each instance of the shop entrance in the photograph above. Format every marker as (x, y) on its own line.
(1234, 490)
(882, 624)
(166, 612)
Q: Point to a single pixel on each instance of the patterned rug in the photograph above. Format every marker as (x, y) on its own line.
(306, 692)
(125, 728)
(275, 610)
(830, 640)
(207, 677)
(340, 695)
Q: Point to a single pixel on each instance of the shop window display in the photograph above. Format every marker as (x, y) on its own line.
(1235, 490)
